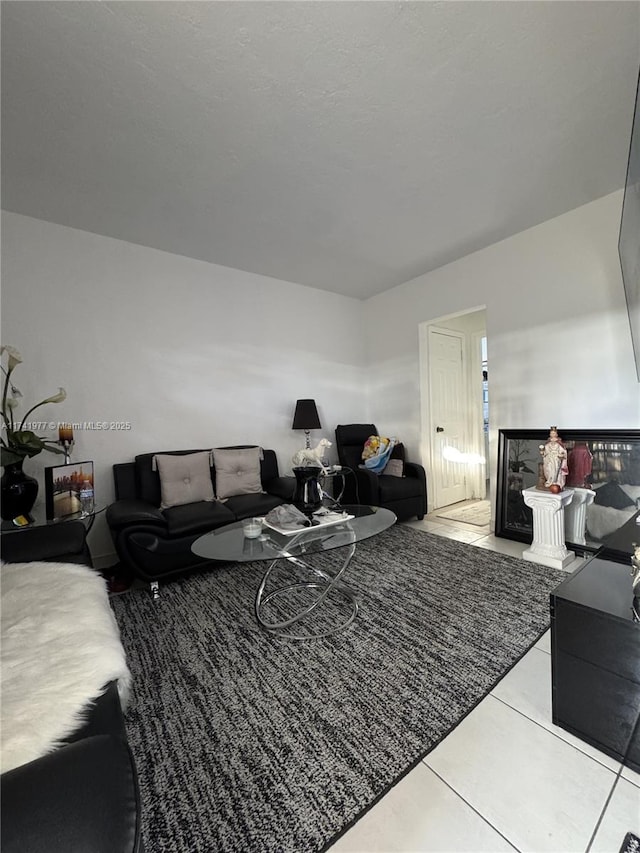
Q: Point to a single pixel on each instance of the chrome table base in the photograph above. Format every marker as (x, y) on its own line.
(322, 583)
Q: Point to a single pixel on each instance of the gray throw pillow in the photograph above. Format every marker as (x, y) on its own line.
(184, 479)
(237, 472)
(394, 468)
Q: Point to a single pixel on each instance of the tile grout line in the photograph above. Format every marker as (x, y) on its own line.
(630, 781)
(604, 808)
(467, 803)
(616, 776)
(558, 737)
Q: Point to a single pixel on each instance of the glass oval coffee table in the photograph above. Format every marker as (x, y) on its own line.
(287, 610)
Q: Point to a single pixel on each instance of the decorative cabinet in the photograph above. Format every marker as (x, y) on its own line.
(595, 658)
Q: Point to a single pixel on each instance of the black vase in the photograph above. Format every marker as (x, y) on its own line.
(18, 492)
(307, 496)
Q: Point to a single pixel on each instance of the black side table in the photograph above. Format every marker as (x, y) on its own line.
(40, 520)
(62, 543)
(62, 540)
(332, 475)
(595, 659)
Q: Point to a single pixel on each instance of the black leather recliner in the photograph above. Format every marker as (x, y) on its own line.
(405, 496)
(83, 797)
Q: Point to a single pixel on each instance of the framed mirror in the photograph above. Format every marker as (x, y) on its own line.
(604, 468)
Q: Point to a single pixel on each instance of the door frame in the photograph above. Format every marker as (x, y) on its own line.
(481, 474)
(426, 444)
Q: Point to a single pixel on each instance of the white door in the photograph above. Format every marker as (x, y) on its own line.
(448, 415)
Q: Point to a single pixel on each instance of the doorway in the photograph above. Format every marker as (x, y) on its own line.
(485, 404)
(455, 407)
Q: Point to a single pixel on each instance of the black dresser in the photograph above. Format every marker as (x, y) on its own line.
(595, 654)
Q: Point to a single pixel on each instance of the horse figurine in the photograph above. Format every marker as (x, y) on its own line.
(312, 455)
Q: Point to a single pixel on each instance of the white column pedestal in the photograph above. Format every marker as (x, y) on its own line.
(575, 515)
(548, 546)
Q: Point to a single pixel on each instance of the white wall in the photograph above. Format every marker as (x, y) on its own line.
(195, 355)
(559, 345)
(191, 354)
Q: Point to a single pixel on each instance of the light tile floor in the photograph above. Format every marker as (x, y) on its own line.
(506, 778)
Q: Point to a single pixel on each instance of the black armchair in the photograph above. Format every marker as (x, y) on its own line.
(406, 496)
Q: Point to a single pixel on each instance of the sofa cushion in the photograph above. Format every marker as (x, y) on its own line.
(246, 506)
(394, 468)
(146, 475)
(395, 465)
(237, 471)
(197, 517)
(184, 479)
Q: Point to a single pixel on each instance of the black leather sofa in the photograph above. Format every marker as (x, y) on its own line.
(83, 797)
(155, 544)
(405, 496)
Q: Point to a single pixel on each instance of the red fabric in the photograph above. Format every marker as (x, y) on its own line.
(579, 461)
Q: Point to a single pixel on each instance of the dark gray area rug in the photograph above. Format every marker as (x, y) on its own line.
(245, 742)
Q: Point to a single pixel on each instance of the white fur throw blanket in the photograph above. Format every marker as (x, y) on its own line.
(60, 647)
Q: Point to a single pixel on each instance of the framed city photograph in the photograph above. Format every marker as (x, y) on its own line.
(63, 484)
(603, 463)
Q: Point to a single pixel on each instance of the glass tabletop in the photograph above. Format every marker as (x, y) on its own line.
(40, 519)
(229, 542)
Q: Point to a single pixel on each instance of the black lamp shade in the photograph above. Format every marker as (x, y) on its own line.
(306, 415)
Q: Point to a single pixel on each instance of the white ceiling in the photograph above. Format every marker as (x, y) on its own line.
(348, 146)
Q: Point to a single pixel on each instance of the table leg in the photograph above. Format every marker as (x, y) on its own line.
(322, 582)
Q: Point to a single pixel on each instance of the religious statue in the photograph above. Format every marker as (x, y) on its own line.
(554, 461)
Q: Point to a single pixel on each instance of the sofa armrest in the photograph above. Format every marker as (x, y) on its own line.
(413, 469)
(103, 717)
(82, 798)
(122, 513)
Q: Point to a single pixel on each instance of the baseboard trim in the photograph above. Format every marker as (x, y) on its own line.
(104, 561)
